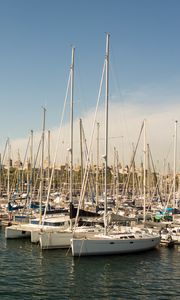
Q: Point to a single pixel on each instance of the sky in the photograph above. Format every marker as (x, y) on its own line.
(36, 38)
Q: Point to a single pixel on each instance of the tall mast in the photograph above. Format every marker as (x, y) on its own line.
(144, 177)
(42, 167)
(174, 169)
(31, 165)
(8, 178)
(71, 129)
(106, 131)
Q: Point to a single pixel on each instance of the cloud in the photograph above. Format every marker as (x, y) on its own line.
(125, 121)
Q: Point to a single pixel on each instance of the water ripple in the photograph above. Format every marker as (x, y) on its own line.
(28, 273)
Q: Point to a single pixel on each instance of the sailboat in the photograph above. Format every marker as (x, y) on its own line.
(111, 242)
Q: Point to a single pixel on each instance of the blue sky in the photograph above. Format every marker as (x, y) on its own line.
(35, 54)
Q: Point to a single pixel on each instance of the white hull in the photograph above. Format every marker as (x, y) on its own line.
(175, 234)
(176, 238)
(36, 232)
(55, 239)
(35, 235)
(105, 245)
(32, 230)
(23, 231)
(17, 232)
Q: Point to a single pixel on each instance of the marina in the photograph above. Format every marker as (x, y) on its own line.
(89, 150)
(41, 222)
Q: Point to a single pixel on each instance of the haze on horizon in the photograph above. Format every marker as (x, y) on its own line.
(125, 122)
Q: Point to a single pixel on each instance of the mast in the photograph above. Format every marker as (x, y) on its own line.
(42, 168)
(144, 177)
(31, 165)
(8, 177)
(81, 150)
(71, 131)
(106, 131)
(174, 169)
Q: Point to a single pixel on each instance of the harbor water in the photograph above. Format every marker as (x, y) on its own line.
(26, 272)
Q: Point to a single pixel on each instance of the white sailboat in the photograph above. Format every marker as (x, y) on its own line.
(113, 243)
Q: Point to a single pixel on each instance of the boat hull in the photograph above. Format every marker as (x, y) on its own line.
(176, 238)
(53, 240)
(103, 246)
(17, 232)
